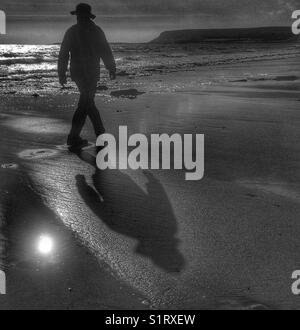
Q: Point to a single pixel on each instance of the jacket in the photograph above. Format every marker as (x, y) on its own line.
(85, 44)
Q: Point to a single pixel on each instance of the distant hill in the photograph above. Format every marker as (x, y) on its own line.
(264, 34)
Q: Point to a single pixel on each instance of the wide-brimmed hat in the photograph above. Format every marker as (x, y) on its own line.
(83, 10)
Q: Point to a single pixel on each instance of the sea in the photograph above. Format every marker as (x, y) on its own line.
(33, 68)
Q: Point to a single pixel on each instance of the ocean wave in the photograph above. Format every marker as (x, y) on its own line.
(25, 60)
(33, 76)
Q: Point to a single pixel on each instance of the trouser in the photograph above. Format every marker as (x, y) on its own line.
(86, 108)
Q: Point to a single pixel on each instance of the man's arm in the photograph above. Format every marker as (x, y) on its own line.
(63, 59)
(107, 55)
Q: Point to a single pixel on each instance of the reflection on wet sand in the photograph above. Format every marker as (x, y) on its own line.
(46, 267)
(45, 244)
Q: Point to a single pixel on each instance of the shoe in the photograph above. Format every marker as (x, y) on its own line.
(77, 144)
(75, 141)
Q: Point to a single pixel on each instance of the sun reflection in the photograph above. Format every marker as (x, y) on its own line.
(45, 245)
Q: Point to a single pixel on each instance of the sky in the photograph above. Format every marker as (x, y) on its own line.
(140, 20)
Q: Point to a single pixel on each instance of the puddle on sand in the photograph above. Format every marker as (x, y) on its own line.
(65, 147)
(37, 153)
(37, 125)
(31, 154)
(10, 166)
(127, 93)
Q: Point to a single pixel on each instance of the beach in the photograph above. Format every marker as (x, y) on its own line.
(149, 239)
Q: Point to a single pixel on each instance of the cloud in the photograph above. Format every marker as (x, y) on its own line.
(219, 13)
(230, 8)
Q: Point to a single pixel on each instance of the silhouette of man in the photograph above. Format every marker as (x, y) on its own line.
(85, 43)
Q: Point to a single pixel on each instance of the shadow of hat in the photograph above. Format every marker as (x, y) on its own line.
(83, 10)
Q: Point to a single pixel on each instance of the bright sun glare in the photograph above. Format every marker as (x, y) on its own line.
(45, 244)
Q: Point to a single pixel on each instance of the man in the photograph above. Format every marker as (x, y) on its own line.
(85, 43)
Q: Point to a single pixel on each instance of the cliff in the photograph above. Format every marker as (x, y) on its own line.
(264, 34)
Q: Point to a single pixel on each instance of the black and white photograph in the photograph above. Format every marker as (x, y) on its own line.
(150, 157)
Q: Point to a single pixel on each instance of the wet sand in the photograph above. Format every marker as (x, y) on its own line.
(67, 278)
(229, 241)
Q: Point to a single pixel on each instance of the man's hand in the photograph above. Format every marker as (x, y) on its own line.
(112, 75)
(63, 80)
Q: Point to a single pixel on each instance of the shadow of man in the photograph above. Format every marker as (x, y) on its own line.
(126, 209)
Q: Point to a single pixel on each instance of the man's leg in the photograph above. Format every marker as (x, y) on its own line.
(80, 115)
(94, 114)
(96, 120)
